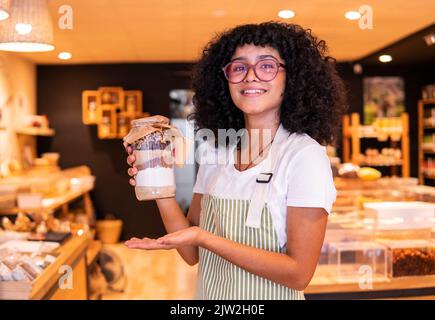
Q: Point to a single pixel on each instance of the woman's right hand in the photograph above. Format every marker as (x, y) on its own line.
(130, 160)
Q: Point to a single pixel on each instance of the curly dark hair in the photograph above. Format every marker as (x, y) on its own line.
(314, 99)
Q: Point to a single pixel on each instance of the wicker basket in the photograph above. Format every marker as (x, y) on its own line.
(109, 231)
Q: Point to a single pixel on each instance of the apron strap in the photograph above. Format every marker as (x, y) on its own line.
(259, 195)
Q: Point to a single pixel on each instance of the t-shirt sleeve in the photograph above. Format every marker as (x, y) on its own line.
(310, 180)
(206, 159)
(199, 186)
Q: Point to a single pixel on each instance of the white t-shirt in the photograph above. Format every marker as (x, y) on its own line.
(302, 178)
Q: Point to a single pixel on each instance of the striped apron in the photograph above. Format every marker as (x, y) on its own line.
(219, 279)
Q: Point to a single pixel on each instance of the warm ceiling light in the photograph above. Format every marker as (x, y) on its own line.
(4, 9)
(385, 58)
(357, 68)
(352, 15)
(429, 39)
(286, 14)
(3, 15)
(64, 56)
(219, 13)
(23, 28)
(29, 28)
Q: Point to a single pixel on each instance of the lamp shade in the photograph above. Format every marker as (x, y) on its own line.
(29, 27)
(4, 9)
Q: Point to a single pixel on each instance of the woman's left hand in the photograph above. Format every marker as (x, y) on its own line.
(186, 237)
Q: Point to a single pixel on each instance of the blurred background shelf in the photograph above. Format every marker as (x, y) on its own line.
(425, 107)
(46, 132)
(397, 138)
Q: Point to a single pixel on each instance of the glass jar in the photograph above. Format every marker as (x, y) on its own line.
(152, 147)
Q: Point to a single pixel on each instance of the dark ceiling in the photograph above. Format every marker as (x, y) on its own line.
(410, 50)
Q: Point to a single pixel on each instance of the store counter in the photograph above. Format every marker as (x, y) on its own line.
(379, 242)
(326, 286)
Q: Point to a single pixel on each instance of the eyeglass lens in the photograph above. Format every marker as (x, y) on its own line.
(265, 70)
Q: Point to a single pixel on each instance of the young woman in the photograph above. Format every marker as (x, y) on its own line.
(257, 227)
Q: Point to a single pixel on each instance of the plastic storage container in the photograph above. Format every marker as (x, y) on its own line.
(345, 228)
(401, 215)
(151, 140)
(410, 258)
(352, 262)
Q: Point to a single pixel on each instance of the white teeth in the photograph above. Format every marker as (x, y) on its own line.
(253, 91)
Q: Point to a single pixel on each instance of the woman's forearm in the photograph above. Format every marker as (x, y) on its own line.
(278, 267)
(174, 220)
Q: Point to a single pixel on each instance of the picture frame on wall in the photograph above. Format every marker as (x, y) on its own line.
(383, 97)
(90, 107)
(113, 96)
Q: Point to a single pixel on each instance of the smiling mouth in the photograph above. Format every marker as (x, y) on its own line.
(253, 92)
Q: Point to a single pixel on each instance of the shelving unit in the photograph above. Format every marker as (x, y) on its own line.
(112, 109)
(354, 132)
(426, 126)
(46, 132)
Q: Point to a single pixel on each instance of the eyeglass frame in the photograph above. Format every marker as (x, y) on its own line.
(253, 66)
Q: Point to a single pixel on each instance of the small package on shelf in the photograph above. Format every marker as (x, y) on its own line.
(79, 184)
(29, 201)
(23, 262)
(410, 258)
(351, 262)
(8, 196)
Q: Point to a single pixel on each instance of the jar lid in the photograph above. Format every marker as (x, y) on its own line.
(147, 126)
(147, 121)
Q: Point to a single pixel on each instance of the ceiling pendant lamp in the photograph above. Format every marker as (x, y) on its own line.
(29, 27)
(4, 9)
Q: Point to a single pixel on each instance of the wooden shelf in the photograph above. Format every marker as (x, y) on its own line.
(422, 104)
(363, 135)
(375, 135)
(46, 132)
(59, 201)
(380, 164)
(112, 109)
(49, 204)
(94, 249)
(428, 101)
(429, 176)
(45, 286)
(353, 133)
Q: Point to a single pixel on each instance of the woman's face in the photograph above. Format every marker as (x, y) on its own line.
(254, 96)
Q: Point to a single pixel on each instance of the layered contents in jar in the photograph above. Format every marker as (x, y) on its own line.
(154, 162)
